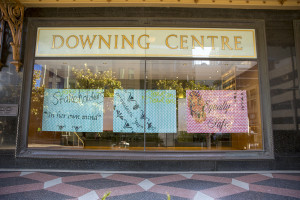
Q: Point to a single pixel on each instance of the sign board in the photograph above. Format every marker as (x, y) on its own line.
(8, 109)
(76, 110)
(130, 115)
(217, 111)
(145, 42)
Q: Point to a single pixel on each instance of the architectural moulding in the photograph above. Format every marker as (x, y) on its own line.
(13, 13)
(237, 4)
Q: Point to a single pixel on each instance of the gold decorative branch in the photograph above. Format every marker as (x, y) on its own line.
(13, 13)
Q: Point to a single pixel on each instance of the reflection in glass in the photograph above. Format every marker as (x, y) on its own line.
(81, 78)
(160, 111)
(214, 76)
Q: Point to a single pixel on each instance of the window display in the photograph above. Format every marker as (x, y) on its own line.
(174, 105)
(146, 88)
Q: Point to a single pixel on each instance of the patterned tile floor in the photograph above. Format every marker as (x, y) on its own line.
(199, 186)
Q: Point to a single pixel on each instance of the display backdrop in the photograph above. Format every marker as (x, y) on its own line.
(76, 110)
(217, 111)
(130, 115)
(181, 114)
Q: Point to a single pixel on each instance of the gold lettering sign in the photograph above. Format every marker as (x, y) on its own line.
(182, 40)
(124, 38)
(116, 41)
(76, 39)
(225, 41)
(167, 41)
(87, 39)
(146, 42)
(201, 44)
(212, 41)
(236, 42)
(54, 40)
(106, 43)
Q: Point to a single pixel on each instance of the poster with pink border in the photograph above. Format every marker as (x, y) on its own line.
(217, 111)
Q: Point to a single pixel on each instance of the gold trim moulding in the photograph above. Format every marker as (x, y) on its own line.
(137, 28)
(140, 55)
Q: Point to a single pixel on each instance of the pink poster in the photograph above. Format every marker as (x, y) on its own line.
(217, 111)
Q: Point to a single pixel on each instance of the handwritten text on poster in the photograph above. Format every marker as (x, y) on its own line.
(217, 111)
(77, 110)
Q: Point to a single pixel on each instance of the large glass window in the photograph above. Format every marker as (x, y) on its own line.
(176, 105)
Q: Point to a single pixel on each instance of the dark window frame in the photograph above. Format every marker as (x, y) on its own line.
(297, 47)
(259, 25)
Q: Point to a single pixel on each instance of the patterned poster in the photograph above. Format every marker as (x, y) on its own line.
(76, 110)
(217, 111)
(130, 115)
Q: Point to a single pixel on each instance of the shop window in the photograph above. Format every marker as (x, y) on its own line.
(196, 91)
(173, 105)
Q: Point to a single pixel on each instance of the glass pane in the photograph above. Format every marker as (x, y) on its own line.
(202, 105)
(73, 101)
(10, 90)
(190, 105)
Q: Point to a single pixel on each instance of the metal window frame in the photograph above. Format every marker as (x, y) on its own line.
(297, 47)
(23, 127)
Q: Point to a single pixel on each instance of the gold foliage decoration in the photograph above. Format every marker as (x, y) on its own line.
(181, 86)
(13, 13)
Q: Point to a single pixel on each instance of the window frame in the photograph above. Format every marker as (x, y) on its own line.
(29, 58)
(297, 47)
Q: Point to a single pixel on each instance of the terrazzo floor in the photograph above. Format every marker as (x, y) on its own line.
(58, 185)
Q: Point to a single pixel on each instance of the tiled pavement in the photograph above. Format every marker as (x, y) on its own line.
(201, 186)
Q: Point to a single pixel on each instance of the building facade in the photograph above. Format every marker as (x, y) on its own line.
(142, 88)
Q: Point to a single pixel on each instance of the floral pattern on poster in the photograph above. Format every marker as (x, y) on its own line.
(217, 111)
(130, 115)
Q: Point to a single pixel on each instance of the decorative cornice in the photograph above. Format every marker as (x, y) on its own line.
(282, 1)
(13, 13)
(238, 4)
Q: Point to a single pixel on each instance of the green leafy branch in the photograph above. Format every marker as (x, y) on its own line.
(85, 79)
